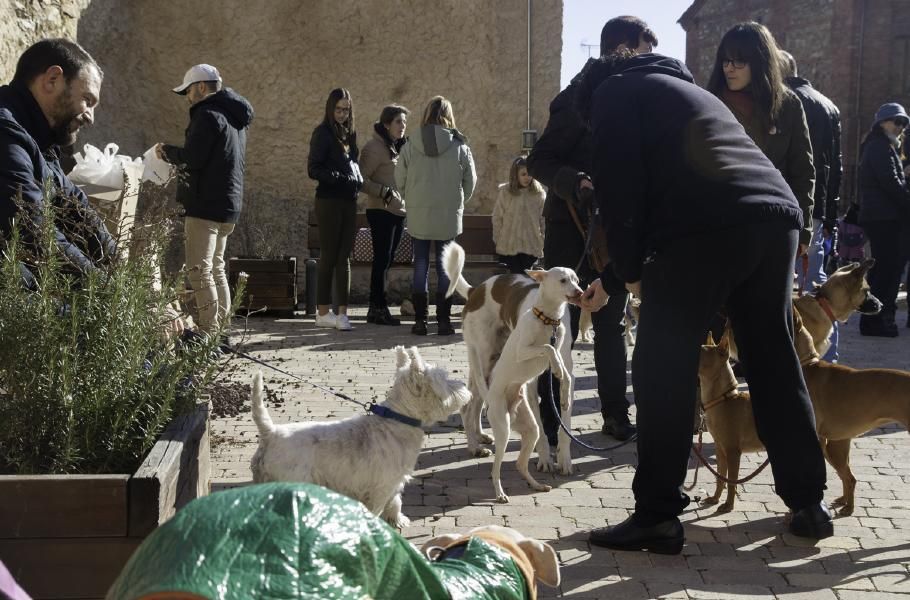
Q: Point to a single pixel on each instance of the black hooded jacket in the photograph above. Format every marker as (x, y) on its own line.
(823, 119)
(670, 161)
(28, 159)
(213, 157)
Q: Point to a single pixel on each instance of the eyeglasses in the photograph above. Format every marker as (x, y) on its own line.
(342, 110)
(737, 64)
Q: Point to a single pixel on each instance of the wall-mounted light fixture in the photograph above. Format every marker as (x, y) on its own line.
(528, 139)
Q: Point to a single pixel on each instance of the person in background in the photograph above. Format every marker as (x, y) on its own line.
(561, 160)
(747, 78)
(884, 213)
(436, 176)
(384, 207)
(823, 119)
(213, 158)
(333, 164)
(518, 227)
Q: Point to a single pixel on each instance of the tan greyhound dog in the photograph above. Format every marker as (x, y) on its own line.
(728, 415)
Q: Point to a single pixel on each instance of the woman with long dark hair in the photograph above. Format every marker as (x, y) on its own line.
(747, 78)
(884, 213)
(384, 207)
(333, 163)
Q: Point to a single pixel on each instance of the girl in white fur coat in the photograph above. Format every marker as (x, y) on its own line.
(518, 223)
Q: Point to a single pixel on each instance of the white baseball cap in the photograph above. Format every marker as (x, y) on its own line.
(196, 74)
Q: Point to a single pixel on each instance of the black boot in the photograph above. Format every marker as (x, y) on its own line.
(443, 315)
(371, 313)
(384, 317)
(420, 313)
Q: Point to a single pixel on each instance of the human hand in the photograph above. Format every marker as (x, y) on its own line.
(594, 297)
(173, 324)
(634, 288)
(803, 249)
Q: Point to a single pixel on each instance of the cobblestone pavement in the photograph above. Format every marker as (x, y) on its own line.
(743, 554)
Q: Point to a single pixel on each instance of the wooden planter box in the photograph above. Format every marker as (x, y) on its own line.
(272, 283)
(68, 536)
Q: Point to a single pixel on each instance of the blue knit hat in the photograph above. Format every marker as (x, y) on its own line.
(891, 110)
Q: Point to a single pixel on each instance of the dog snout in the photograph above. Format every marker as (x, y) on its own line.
(870, 306)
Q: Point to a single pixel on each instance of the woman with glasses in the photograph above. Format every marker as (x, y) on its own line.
(333, 164)
(884, 213)
(747, 78)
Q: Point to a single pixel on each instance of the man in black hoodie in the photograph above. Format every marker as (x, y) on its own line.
(561, 160)
(697, 218)
(53, 94)
(211, 188)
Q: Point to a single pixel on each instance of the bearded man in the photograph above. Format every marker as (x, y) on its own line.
(54, 93)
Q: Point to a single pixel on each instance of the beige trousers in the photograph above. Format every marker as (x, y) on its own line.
(205, 243)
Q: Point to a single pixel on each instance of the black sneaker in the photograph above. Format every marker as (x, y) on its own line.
(619, 428)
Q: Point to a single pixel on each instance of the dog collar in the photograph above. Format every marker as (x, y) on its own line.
(388, 413)
(731, 393)
(823, 302)
(544, 318)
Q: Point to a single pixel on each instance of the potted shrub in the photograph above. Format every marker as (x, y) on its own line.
(103, 434)
(271, 282)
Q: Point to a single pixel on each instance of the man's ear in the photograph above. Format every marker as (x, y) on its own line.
(52, 78)
(543, 558)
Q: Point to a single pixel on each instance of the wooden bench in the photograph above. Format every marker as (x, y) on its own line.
(476, 238)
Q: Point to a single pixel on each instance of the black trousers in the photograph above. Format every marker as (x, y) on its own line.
(518, 263)
(563, 247)
(385, 233)
(887, 250)
(682, 289)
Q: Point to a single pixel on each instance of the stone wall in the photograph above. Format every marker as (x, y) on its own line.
(285, 56)
(23, 22)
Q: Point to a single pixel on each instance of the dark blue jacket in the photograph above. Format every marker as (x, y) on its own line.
(28, 160)
(213, 157)
(670, 161)
(883, 192)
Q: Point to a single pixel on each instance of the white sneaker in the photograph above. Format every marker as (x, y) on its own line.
(342, 323)
(326, 320)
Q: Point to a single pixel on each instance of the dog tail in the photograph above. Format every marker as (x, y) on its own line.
(453, 265)
(260, 414)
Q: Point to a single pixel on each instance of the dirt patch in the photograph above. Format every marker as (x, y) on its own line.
(230, 399)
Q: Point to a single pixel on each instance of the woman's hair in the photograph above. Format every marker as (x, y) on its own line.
(389, 114)
(515, 187)
(345, 130)
(753, 44)
(439, 112)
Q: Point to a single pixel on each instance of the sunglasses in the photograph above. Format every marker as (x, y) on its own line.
(737, 64)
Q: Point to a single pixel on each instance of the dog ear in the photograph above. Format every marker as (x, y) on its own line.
(432, 547)
(543, 558)
(867, 264)
(724, 345)
(401, 357)
(537, 275)
(417, 363)
(710, 340)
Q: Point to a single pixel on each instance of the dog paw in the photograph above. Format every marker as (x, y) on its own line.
(480, 452)
(724, 508)
(502, 499)
(564, 467)
(545, 465)
(710, 501)
(844, 511)
(485, 438)
(541, 487)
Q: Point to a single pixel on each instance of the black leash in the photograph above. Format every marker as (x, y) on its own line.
(370, 407)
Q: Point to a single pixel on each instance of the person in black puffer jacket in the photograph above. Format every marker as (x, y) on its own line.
(697, 217)
(884, 213)
(212, 161)
(333, 163)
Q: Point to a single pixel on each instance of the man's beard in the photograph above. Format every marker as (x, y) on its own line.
(63, 134)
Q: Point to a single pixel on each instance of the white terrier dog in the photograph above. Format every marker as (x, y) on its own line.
(366, 457)
(533, 309)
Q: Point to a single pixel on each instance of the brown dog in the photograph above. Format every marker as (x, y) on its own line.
(845, 292)
(848, 403)
(534, 559)
(728, 415)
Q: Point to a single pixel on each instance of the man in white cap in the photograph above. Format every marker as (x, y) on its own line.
(211, 188)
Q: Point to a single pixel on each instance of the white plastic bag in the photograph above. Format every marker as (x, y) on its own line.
(100, 168)
(156, 170)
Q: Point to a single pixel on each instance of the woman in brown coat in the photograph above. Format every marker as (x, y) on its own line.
(747, 78)
(384, 207)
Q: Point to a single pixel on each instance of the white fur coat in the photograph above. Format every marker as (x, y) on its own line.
(518, 222)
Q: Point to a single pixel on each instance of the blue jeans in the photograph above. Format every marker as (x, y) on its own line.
(422, 266)
(817, 275)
